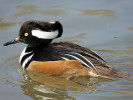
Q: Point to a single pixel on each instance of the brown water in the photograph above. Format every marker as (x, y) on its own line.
(105, 26)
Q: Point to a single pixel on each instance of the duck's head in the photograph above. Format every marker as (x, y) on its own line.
(38, 33)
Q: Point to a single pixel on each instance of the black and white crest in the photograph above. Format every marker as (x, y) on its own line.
(47, 30)
(38, 33)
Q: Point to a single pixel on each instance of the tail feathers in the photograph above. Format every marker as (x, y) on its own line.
(113, 73)
(121, 74)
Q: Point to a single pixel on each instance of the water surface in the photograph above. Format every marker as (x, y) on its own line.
(104, 26)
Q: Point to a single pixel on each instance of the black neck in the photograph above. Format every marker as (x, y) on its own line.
(40, 43)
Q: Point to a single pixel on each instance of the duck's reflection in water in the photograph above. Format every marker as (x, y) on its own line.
(38, 85)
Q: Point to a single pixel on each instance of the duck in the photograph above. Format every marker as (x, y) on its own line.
(60, 58)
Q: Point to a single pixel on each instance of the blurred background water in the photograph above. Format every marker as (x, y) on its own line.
(105, 26)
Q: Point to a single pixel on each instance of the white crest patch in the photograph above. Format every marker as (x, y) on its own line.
(52, 22)
(44, 35)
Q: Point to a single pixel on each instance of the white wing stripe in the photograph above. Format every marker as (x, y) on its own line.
(78, 59)
(87, 60)
(64, 58)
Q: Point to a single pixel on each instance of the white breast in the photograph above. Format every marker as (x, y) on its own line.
(23, 54)
(26, 61)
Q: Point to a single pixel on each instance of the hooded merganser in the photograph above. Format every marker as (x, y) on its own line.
(59, 58)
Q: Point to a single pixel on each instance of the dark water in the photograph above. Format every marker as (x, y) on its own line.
(105, 26)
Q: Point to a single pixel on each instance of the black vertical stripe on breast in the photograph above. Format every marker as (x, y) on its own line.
(26, 65)
(25, 57)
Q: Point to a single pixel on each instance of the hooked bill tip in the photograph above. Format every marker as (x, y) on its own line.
(11, 42)
(5, 44)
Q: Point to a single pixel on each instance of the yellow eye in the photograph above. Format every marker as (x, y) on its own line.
(26, 34)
